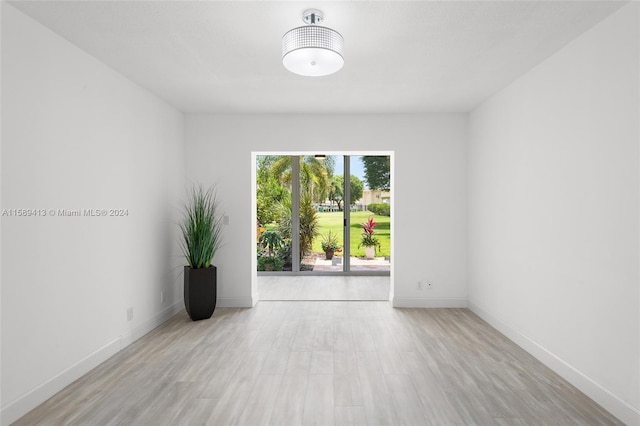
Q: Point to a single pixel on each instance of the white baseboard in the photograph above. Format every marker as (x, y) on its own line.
(234, 302)
(139, 331)
(27, 402)
(429, 302)
(610, 402)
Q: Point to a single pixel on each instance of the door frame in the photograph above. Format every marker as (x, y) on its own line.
(254, 261)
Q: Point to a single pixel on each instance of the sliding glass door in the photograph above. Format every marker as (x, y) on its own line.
(310, 211)
(370, 215)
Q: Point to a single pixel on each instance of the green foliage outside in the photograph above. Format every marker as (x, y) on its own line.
(308, 223)
(270, 263)
(278, 251)
(336, 194)
(382, 209)
(273, 192)
(317, 184)
(315, 178)
(269, 195)
(271, 240)
(377, 172)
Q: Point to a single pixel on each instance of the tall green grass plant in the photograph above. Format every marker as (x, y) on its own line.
(201, 227)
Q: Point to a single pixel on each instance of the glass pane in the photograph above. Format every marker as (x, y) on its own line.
(321, 220)
(370, 213)
(273, 200)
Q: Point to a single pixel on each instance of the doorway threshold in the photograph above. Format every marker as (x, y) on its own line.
(350, 288)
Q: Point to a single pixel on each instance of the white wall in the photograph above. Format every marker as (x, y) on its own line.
(553, 212)
(430, 190)
(77, 135)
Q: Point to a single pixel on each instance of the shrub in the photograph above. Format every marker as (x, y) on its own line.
(381, 209)
(284, 253)
(271, 240)
(308, 224)
(270, 263)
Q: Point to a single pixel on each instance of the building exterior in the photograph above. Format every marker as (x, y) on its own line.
(370, 196)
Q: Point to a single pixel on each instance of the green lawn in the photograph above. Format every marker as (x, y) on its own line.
(332, 221)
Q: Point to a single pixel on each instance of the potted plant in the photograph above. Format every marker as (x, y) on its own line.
(368, 240)
(330, 245)
(201, 238)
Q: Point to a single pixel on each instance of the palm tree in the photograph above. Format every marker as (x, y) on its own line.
(315, 179)
(315, 184)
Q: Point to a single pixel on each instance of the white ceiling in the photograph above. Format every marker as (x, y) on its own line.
(400, 56)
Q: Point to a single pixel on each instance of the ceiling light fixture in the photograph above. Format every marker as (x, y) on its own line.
(312, 50)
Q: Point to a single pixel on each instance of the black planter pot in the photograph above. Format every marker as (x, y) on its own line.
(200, 292)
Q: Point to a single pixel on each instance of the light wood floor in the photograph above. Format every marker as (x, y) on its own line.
(281, 287)
(322, 363)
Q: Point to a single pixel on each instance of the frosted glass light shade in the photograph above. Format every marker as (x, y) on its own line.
(312, 51)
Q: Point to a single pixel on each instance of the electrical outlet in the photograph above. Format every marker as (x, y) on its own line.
(419, 285)
(429, 285)
(162, 296)
(130, 314)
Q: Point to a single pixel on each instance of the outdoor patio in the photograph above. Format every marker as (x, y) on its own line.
(357, 264)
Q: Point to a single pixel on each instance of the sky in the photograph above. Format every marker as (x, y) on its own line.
(357, 168)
